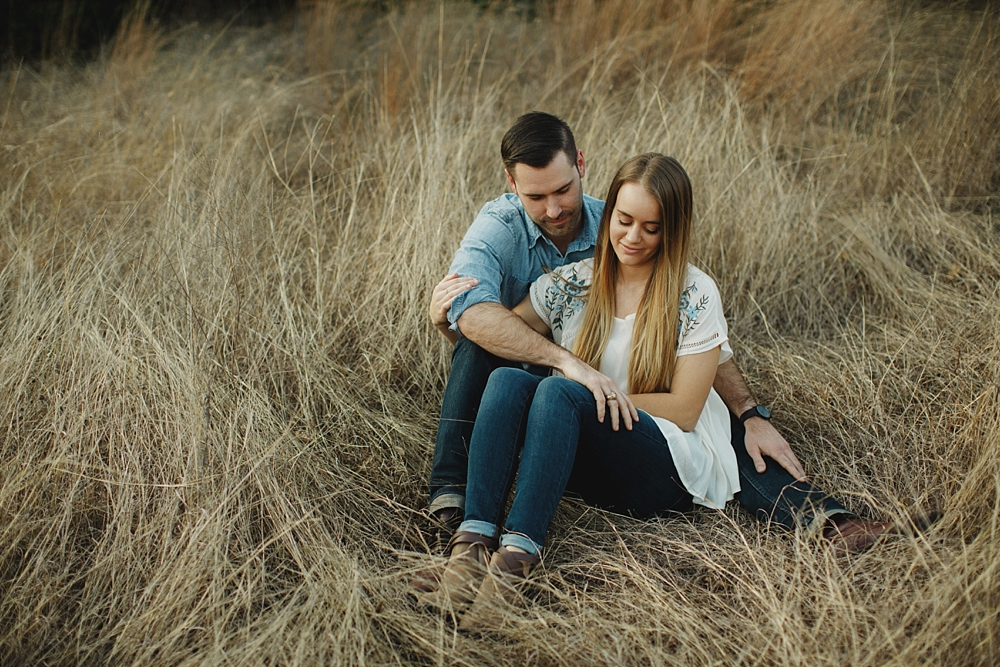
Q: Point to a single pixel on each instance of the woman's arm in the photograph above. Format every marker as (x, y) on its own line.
(693, 377)
(442, 296)
(526, 312)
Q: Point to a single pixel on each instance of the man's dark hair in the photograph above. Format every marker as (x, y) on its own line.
(535, 139)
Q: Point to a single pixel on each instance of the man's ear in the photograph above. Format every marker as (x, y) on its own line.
(510, 179)
(581, 166)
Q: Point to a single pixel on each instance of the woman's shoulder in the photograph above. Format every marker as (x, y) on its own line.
(699, 279)
(699, 284)
(576, 273)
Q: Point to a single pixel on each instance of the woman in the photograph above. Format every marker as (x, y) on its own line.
(643, 316)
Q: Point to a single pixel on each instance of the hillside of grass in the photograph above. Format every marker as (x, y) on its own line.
(219, 386)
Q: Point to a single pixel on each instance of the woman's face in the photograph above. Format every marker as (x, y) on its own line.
(635, 226)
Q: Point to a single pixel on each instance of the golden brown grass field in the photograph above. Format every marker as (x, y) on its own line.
(219, 385)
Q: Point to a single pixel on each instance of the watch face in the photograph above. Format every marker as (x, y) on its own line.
(763, 412)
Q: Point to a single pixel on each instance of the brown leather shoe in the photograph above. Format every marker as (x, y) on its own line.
(469, 554)
(854, 536)
(443, 524)
(507, 572)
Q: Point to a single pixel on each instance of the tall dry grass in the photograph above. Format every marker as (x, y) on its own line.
(219, 388)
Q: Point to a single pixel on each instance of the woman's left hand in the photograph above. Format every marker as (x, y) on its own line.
(444, 293)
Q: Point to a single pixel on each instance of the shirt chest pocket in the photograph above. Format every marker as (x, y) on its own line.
(515, 288)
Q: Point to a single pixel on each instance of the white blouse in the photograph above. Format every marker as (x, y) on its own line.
(704, 457)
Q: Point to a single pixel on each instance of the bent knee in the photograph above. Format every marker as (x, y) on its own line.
(562, 390)
(510, 378)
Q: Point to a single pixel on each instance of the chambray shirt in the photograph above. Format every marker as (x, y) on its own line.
(506, 252)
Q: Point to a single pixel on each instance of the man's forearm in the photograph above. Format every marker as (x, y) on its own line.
(733, 389)
(495, 329)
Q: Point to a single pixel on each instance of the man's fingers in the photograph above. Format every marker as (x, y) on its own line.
(792, 465)
(758, 460)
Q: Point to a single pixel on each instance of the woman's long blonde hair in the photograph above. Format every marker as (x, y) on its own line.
(653, 350)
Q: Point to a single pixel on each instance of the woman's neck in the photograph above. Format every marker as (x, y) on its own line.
(630, 287)
(635, 276)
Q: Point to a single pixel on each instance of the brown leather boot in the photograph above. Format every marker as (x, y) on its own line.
(507, 572)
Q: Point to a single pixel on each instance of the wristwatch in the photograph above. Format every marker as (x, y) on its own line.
(756, 411)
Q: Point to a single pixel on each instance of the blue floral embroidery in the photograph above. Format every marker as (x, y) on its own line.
(562, 297)
(690, 310)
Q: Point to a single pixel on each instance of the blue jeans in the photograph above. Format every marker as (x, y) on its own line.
(552, 423)
(773, 496)
(471, 366)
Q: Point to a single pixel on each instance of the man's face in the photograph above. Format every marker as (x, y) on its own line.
(552, 196)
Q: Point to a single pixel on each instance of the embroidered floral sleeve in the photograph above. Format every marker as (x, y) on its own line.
(701, 325)
(556, 296)
(562, 296)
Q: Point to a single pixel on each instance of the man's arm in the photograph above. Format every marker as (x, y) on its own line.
(496, 329)
(762, 439)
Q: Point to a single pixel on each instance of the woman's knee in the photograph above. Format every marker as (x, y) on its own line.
(560, 393)
(511, 382)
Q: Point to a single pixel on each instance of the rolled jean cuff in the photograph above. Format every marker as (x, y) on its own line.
(819, 520)
(484, 528)
(521, 542)
(446, 500)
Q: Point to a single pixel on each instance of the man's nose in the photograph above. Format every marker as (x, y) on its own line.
(553, 209)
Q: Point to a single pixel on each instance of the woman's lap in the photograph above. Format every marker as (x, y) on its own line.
(624, 471)
(566, 448)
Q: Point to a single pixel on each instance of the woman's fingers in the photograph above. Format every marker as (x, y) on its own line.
(607, 396)
(601, 403)
(630, 411)
(444, 294)
(619, 406)
(615, 413)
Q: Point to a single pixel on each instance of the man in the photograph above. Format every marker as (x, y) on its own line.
(547, 222)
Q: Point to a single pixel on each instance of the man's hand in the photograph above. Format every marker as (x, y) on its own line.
(620, 407)
(762, 439)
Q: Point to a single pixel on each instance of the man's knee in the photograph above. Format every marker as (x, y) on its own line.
(465, 349)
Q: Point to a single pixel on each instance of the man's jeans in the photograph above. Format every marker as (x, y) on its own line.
(471, 366)
(772, 496)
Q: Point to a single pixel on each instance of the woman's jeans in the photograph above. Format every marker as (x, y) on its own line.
(552, 423)
(773, 496)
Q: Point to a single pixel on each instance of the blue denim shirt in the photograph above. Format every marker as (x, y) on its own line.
(506, 252)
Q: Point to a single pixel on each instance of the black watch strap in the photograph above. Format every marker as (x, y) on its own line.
(756, 411)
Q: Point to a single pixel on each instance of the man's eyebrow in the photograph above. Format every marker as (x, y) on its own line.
(538, 194)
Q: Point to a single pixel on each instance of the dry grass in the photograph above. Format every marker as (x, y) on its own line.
(218, 387)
